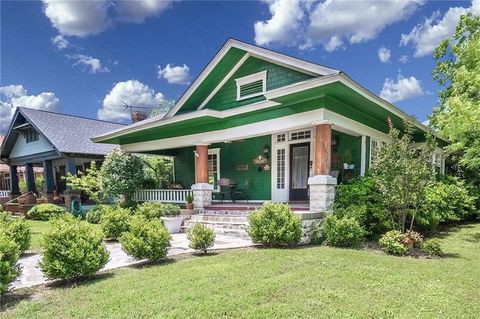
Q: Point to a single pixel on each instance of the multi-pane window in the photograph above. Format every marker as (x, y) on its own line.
(31, 136)
(213, 169)
(281, 168)
(300, 135)
(281, 137)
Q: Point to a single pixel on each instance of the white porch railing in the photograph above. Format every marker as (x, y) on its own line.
(4, 194)
(162, 195)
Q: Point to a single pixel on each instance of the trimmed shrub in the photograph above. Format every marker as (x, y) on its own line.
(274, 224)
(201, 237)
(94, 215)
(115, 221)
(447, 200)
(146, 239)
(342, 232)
(392, 243)
(432, 247)
(171, 210)
(72, 249)
(360, 198)
(9, 270)
(150, 210)
(15, 229)
(315, 234)
(45, 212)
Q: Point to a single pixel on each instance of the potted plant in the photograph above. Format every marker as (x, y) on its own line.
(189, 201)
(346, 159)
(171, 218)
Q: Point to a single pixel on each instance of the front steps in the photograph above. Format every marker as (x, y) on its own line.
(223, 222)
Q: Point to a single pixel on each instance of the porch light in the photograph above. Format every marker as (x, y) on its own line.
(266, 151)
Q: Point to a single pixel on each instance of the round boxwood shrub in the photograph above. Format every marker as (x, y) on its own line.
(432, 247)
(274, 224)
(170, 210)
(201, 237)
(9, 270)
(146, 239)
(392, 243)
(115, 221)
(72, 249)
(150, 210)
(342, 232)
(94, 215)
(45, 212)
(15, 229)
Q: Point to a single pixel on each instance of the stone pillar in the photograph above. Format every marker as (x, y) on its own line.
(14, 188)
(49, 182)
(202, 190)
(30, 177)
(322, 185)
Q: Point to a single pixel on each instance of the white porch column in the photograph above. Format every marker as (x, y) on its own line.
(322, 185)
(202, 190)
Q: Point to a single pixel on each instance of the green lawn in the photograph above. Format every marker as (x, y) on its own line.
(313, 282)
(37, 228)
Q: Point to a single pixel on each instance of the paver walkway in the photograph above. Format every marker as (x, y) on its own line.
(31, 274)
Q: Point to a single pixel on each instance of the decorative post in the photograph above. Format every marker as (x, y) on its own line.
(322, 185)
(29, 199)
(30, 178)
(14, 188)
(202, 190)
(49, 183)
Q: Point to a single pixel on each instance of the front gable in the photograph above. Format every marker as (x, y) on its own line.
(276, 76)
(25, 145)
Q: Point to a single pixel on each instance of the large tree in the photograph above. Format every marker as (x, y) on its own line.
(457, 116)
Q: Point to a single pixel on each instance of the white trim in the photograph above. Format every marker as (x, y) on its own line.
(259, 76)
(363, 150)
(225, 79)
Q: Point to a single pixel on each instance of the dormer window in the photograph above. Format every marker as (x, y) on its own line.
(251, 85)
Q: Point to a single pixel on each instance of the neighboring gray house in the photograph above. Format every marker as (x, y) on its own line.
(59, 143)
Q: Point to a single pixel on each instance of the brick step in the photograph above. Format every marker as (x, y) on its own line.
(221, 231)
(225, 212)
(219, 219)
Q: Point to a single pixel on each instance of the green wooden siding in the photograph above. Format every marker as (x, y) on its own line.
(277, 76)
(367, 154)
(345, 143)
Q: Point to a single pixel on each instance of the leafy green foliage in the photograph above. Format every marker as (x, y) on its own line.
(146, 239)
(89, 183)
(121, 174)
(72, 249)
(446, 200)
(342, 232)
(22, 184)
(171, 210)
(402, 171)
(45, 212)
(150, 210)
(115, 221)
(158, 171)
(391, 243)
(9, 254)
(432, 247)
(94, 215)
(201, 237)
(274, 224)
(458, 113)
(15, 229)
(189, 199)
(315, 234)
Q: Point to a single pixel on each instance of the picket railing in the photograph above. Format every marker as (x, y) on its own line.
(162, 195)
(4, 194)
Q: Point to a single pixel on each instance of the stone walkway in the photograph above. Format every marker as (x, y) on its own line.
(31, 274)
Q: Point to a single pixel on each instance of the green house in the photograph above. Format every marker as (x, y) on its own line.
(259, 125)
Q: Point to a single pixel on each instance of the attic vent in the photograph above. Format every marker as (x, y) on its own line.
(251, 85)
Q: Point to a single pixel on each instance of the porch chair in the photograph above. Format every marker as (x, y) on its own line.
(241, 193)
(225, 185)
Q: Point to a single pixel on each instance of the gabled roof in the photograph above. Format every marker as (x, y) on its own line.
(67, 133)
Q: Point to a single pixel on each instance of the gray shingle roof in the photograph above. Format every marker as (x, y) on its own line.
(70, 133)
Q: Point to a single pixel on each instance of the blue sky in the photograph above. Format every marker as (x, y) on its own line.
(113, 50)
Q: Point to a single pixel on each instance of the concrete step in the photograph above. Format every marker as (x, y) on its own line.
(225, 212)
(219, 219)
(228, 225)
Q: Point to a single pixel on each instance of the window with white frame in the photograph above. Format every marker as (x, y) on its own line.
(300, 135)
(281, 168)
(375, 145)
(213, 167)
(281, 137)
(251, 85)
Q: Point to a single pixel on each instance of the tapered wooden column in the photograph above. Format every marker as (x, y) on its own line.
(202, 163)
(323, 149)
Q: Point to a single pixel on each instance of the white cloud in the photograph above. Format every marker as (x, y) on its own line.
(330, 23)
(174, 74)
(60, 42)
(131, 92)
(403, 59)
(12, 96)
(384, 55)
(403, 89)
(93, 65)
(84, 18)
(426, 36)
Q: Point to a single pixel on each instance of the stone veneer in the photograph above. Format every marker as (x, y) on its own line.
(322, 192)
(202, 195)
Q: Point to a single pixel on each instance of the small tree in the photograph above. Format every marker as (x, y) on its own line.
(159, 169)
(402, 171)
(121, 174)
(89, 183)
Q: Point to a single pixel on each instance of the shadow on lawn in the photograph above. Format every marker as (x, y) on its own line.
(10, 300)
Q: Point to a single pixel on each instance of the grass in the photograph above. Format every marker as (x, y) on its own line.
(311, 282)
(37, 228)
